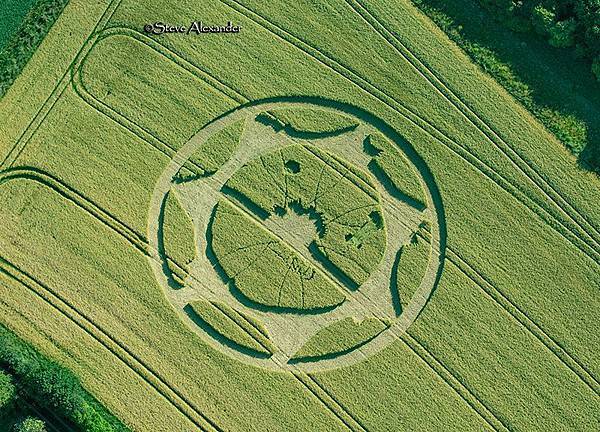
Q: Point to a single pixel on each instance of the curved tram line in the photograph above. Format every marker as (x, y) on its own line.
(565, 357)
(120, 350)
(405, 111)
(308, 381)
(134, 363)
(510, 186)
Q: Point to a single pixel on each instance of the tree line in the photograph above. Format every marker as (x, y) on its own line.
(573, 24)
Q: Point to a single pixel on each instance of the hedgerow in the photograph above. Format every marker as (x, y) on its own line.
(53, 387)
(564, 23)
(25, 41)
(566, 115)
(31, 424)
(7, 391)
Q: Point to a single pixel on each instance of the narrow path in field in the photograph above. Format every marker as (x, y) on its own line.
(509, 186)
(464, 153)
(321, 393)
(45, 179)
(121, 229)
(46, 108)
(455, 383)
(518, 161)
(120, 350)
(481, 281)
(556, 351)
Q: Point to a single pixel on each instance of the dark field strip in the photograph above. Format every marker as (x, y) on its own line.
(153, 379)
(25, 24)
(525, 167)
(554, 346)
(510, 186)
(12, 13)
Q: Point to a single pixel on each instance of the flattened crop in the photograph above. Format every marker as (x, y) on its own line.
(346, 209)
(264, 268)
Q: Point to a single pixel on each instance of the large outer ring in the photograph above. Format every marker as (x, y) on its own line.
(434, 202)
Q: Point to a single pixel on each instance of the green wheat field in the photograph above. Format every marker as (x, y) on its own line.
(328, 220)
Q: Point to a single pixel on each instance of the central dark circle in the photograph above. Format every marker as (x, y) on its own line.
(292, 166)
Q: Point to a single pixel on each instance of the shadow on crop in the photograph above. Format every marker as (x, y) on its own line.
(171, 282)
(223, 340)
(548, 80)
(269, 119)
(389, 132)
(333, 355)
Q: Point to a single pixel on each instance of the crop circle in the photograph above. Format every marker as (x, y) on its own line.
(257, 289)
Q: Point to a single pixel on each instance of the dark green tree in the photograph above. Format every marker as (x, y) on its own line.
(562, 33)
(7, 393)
(31, 424)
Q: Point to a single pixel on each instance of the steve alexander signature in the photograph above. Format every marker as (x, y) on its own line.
(195, 27)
